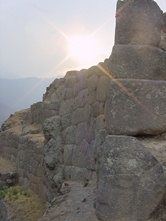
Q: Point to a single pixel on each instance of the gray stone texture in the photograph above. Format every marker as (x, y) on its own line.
(131, 181)
(137, 62)
(3, 211)
(136, 107)
(163, 41)
(52, 127)
(138, 22)
(27, 156)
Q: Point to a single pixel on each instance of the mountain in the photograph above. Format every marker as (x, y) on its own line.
(17, 94)
(5, 112)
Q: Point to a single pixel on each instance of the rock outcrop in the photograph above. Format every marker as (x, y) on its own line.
(72, 134)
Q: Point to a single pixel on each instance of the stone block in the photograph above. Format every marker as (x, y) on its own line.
(81, 114)
(54, 105)
(92, 97)
(69, 93)
(85, 131)
(80, 85)
(77, 174)
(52, 127)
(68, 154)
(92, 83)
(79, 154)
(91, 157)
(100, 122)
(71, 79)
(65, 121)
(82, 98)
(69, 135)
(60, 92)
(136, 107)
(66, 107)
(137, 62)
(138, 22)
(131, 181)
(102, 88)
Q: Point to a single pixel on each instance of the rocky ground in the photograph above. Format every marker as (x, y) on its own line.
(78, 204)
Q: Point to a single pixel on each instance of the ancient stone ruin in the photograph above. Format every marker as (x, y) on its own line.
(104, 127)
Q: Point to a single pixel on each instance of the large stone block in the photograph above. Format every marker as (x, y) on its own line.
(52, 127)
(66, 107)
(77, 174)
(137, 62)
(131, 181)
(69, 135)
(136, 107)
(138, 22)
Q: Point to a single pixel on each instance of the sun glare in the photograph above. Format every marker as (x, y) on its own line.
(84, 49)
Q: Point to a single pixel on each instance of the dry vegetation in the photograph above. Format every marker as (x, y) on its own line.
(22, 204)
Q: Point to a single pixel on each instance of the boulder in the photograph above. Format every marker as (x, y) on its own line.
(137, 62)
(131, 182)
(138, 22)
(136, 107)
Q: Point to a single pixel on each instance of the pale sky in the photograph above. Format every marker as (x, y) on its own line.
(38, 37)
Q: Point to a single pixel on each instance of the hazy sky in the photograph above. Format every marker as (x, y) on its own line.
(39, 37)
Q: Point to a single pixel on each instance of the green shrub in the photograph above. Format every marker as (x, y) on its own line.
(13, 193)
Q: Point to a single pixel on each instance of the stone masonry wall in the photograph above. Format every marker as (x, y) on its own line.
(70, 135)
(125, 95)
(27, 155)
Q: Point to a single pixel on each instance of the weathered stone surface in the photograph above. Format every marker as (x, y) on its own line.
(77, 174)
(3, 211)
(84, 131)
(138, 22)
(65, 121)
(82, 98)
(164, 22)
(80, 85)
(81, 114)
(69, 135)
(102, 88)
(92, 83)
(52, 127)
(66, 107)
(53, 161)
(100, 122)
(137, 62)
(136, 107)
(68, 154)
(84, 155)
(131, 181)
(163, 41)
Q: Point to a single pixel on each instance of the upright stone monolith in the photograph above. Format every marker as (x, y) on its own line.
(138, 22)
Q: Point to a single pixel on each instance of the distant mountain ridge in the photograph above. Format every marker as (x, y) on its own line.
(17, 94)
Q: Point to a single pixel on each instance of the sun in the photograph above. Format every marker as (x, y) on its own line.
(84, 49)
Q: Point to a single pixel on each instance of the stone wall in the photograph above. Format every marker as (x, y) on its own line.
(27, 156)
(70, 134)
(124, 95)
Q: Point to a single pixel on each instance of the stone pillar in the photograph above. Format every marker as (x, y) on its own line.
(138, 22)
